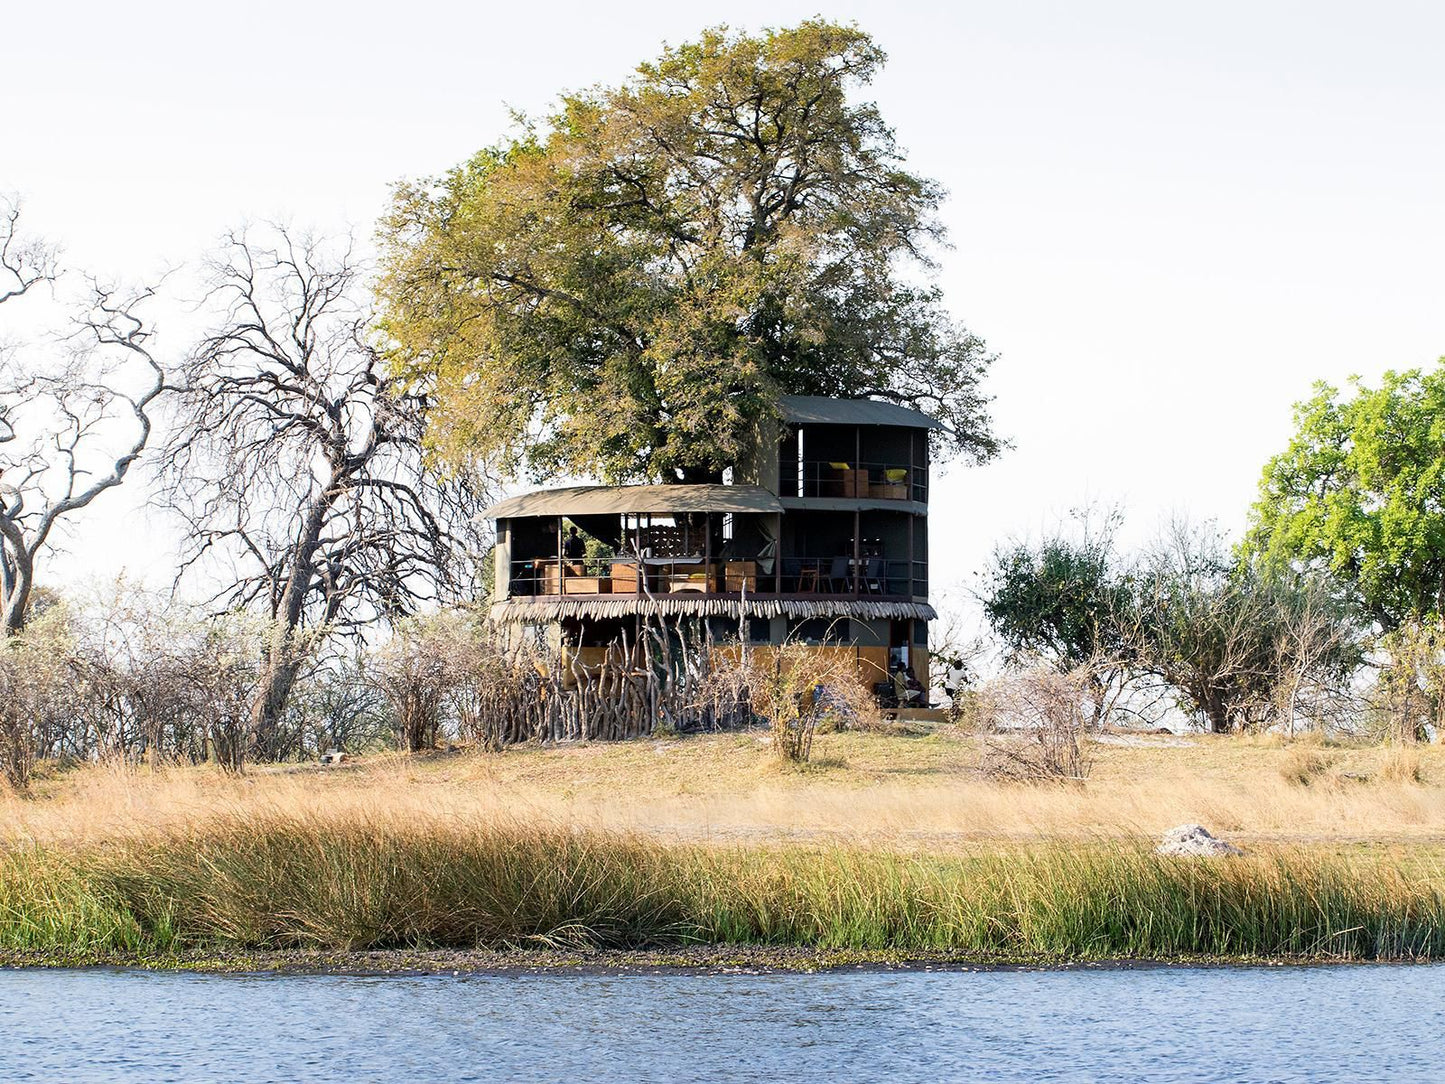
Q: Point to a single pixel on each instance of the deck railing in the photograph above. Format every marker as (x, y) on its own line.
(843, 576)
(861, 481)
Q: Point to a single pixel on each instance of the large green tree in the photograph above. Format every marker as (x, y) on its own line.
(628, 286)
(1360, 492)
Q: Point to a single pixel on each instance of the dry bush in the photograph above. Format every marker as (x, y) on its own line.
(216, 668)
(455, 673)
(1303, 765)
(122, 675)
(335, 707)
(414, 671)
(138, 661)
(1401, 764)
(1034, 723)
(795, 687)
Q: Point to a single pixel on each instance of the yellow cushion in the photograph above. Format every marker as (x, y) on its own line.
(896, 474)
(840, 466)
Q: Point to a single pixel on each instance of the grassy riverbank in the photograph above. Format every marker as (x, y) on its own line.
(921, 792)
(375, 882)
(890, 846)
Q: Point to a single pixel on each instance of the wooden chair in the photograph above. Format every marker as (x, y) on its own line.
(873, 575)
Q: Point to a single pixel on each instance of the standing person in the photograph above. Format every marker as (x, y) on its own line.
(955, 678)
(573, 548)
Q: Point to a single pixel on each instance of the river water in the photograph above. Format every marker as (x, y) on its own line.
(1375, 1023)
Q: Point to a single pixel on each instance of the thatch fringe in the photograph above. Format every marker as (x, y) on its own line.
(528, 611)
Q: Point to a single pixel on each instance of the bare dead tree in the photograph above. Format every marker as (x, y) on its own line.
(1034, 724)
(1319, 648)
(1243, 647)
(75, 411)
(297, 462)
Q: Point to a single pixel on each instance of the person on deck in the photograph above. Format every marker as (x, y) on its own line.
(573, 548)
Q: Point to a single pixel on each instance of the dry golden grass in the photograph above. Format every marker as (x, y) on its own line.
(871, 789)
(1402, 765)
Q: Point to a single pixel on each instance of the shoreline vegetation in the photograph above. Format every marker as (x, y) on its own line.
(542, 858)
(684, 960)
(372, 883)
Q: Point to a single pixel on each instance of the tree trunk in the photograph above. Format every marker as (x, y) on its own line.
(1216, 710)
(1099, 691)
(19, 577)
(280, 678)
(284, 660)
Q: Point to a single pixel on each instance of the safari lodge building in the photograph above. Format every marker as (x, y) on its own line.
(823, 539)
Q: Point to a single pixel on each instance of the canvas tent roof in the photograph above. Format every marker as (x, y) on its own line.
(821, 410)
(623, 500)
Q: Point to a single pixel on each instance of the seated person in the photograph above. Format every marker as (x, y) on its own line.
(916, 691)
(573, 548)
(906, 687)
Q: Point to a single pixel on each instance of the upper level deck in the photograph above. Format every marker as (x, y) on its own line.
(833, 513)
(847, 449)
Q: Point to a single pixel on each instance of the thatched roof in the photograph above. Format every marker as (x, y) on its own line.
(623, 500)
(529, 611)
(821, 410)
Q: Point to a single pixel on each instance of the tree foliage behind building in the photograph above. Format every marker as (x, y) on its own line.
(627, 287)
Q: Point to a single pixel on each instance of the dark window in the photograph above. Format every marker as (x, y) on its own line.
(819, 630)
(722, 629)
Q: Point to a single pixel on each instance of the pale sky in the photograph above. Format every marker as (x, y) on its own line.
(1168, 219)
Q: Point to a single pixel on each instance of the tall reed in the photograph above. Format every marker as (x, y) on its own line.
(364, 881)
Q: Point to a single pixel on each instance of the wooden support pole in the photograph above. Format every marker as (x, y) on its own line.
(912, 554)
(857, 546)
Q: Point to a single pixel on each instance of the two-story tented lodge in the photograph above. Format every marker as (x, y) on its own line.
(822, 539)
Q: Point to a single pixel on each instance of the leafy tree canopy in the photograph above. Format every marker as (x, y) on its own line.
(626, 288)
(1360, 492)
(1062, 599)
